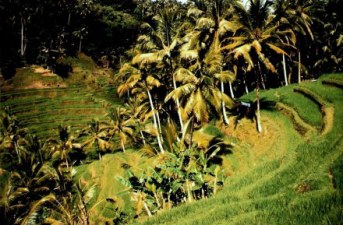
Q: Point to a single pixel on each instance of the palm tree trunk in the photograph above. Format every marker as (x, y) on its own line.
(178, 106)
(231, 90)
(189, 193)
(22, 48)
(258, 113)
(299, 66)
(226, 120)
(142, 135)
(69, 17)
(80, 43)
(122, 145)
(284, 69)
(155, 122)
(159, 125)
(245, 86)
(140, 130)
(262, 81)
(147, 209)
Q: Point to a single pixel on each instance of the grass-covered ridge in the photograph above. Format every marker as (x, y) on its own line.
(299, 183)
(41, 100)
(291, 173)
(42, 111)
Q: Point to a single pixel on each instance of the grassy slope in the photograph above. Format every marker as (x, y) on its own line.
(42, 100)
(299, 182)
(41, 111)
(277, 177)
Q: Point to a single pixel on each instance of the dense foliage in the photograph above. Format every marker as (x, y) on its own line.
(180, 67)
(38, 32)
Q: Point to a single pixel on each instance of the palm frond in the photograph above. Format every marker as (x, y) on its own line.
(276, 49)
(194, 12)
(52, 221)
(225, 76)
(145, 59)
(129, 84)
(227, 26)
(152, 81)
(232, 45)
(35, 207)
(256, 44)
(266, 62)
(244, 51)
(197, 105)
(185, 76)
(180, 91)
(189, 54)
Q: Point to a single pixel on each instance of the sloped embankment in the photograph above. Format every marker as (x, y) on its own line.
(302, 185)
(43, 110)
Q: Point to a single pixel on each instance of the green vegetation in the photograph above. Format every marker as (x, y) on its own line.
(41, 111)
(300, 184)
(185, 142)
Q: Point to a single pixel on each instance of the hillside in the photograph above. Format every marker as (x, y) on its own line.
(291, 173)
(294, 178)
(42, 100)
(171, 112)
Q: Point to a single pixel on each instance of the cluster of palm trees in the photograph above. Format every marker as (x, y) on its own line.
(190, 56)
(187, 66)
(36, 177)
(183, 74)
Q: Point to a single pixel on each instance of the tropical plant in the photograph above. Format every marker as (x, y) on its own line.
(121, 125)
(298, 16)
(95, 137)
(140, 83)
(34, 184)
(258, 36)
(201, 62)
(186, 172)
(62, 147)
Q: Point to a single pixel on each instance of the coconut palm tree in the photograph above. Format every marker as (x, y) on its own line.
(121, 125)
(160, 42)
(201, 59)
(62, 146)
(138, 112)
(140, 83)
(257, 37)
(95, 137)
(298, 16)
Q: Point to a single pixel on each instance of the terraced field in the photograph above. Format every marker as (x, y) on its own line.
(42, 110)
(297, 179)
(289, 174)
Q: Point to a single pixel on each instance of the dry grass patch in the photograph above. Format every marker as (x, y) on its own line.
(299, 125)
(328, 117)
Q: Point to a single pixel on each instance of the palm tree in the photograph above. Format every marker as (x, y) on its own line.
(298, 16)
(202, 60)
(257, 36)
(140, 84)
(328, 38)
(95, 136)
(63, 146)
(160, 40)
(122, 125)
(198, 95)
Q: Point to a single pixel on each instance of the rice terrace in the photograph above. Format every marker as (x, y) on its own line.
(171, 112)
